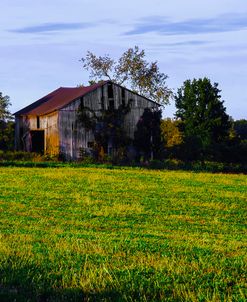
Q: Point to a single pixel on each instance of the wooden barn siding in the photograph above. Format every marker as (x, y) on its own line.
(138, 104)
(48, 123)
(17, 133)
(73, 137)
(22, 133)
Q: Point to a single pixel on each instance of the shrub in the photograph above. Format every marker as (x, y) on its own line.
(25, 156)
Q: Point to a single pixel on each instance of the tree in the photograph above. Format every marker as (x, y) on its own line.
(131, 70)
(240, 128)
(170, 132)
(235, 149)
(6, 124)
(5, 114)
(147, 135)
(172, 137)
(205, 122)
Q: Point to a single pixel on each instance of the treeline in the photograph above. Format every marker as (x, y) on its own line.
(202, 130)
(177, 146)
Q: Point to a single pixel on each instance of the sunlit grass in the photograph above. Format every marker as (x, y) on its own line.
(89, 234)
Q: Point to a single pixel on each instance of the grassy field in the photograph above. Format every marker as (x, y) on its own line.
(92, 234)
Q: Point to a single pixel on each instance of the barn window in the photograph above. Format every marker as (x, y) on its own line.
(38, 122)
(110, 91)
(110, 97)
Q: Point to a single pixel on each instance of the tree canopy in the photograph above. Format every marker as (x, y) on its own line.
(240, 128)
(6, 124)
(130, 70)
(202, 113)
(4, 108)
(170, 132)
(147, 135)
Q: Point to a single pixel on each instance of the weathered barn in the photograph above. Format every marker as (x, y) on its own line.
(50, 125)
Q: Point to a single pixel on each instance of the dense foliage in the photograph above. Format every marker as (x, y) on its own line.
(240, 129)
(235, 150)
(204, 121)
(5, 114)
(7, 130)
(6, 124)
(170, 132)
(147, 135)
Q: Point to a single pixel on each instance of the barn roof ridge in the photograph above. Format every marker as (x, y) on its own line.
(60, 98)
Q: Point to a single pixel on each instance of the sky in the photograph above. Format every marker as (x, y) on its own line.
(42, 42)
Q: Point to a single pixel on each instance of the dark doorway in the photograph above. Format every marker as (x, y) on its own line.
(38, 141)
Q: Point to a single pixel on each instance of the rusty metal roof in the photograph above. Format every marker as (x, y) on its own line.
(57, 99)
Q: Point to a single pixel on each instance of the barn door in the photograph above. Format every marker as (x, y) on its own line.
(38, 141)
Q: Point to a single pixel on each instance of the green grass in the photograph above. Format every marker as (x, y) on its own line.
(94, 234)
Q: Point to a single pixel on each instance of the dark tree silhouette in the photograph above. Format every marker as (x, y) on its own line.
(148, 135)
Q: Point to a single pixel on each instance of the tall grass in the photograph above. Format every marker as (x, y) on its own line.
(87, 234)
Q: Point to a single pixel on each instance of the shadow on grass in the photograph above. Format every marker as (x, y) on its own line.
(30, 283)
(10, 295)
(21, 280)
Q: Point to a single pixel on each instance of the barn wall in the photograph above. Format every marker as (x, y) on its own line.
(74, 138)
(48, 123)
(22, 134)
(137, 105)
(17, 133)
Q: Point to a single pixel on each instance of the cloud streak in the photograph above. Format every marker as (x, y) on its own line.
(184, 43)
(160, 25)
(52, 27)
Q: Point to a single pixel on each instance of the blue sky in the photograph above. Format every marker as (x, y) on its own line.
(43, 41)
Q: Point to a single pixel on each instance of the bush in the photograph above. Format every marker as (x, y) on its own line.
(25, 156)
(16, 155)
